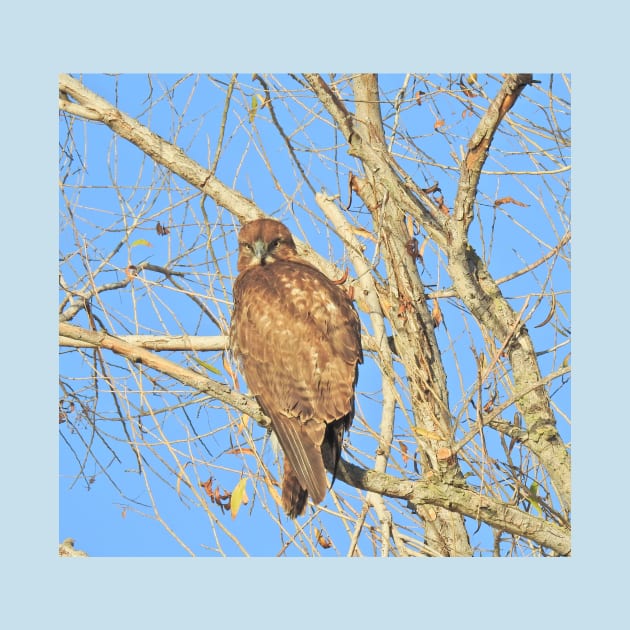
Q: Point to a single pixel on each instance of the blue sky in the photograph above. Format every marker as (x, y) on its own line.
(108, 506)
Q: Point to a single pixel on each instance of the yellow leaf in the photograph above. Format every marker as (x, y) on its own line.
(427, 434)
(238, 494)
(141, 241)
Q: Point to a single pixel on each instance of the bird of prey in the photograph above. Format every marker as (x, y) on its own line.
(297, 338)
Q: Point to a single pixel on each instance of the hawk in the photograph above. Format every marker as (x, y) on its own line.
(297, 338)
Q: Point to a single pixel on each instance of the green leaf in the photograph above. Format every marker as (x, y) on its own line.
(533, 493)
(208, 367)
(253, 110)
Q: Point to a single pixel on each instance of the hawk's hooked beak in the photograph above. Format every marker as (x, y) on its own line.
(260, 251)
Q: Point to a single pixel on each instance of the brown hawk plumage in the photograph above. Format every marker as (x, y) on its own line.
(298, 339)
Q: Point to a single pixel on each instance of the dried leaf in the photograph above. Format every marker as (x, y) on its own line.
(240, 451)
(359, 231)
(551, 313)
(500, 202)
(412, 248)
(438, 123)
(207, 486)
(324, 542)
(404, 451)
(343, 278)
(426, 434)
(161, 230)
(228, 369)
(436, 313)
(431, 189)
(419, 94)
(443, 208)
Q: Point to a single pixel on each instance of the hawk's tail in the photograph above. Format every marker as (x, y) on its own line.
(304, 469)
(309, 449)
(294, 497)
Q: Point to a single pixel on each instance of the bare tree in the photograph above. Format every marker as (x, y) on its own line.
(442, 201)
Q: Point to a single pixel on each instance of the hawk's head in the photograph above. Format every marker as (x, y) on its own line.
(262, 242)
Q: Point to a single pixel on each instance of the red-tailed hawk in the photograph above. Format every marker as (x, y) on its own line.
(298, 340)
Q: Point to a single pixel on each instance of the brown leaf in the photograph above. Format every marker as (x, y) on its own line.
(359, 231)
(552, 310)
(443, 208)
(431, 189)
(228, 369)
(500, 202)
(436, 313)
(404, 451)
(161, 230)
(343, 278)
(412, 248)
(207, 486)
(419, 94)
(324, 542)
(438, 123)
(240, 451)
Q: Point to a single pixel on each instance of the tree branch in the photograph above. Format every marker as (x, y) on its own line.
(186, 376)
(480, 142)
(462, 500)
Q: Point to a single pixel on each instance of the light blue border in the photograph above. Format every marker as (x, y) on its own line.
(41, 40)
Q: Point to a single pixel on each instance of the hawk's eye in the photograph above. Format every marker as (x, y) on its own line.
(274, 243)
(246, 246)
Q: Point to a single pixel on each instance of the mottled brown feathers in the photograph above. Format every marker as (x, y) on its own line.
(297, 337)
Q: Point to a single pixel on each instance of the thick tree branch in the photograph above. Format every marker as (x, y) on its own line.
(182, 343)
(462, 500)
(480, 142)
(186, 376)
(482, 296)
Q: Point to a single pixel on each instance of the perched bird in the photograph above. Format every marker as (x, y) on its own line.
(297, 337)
